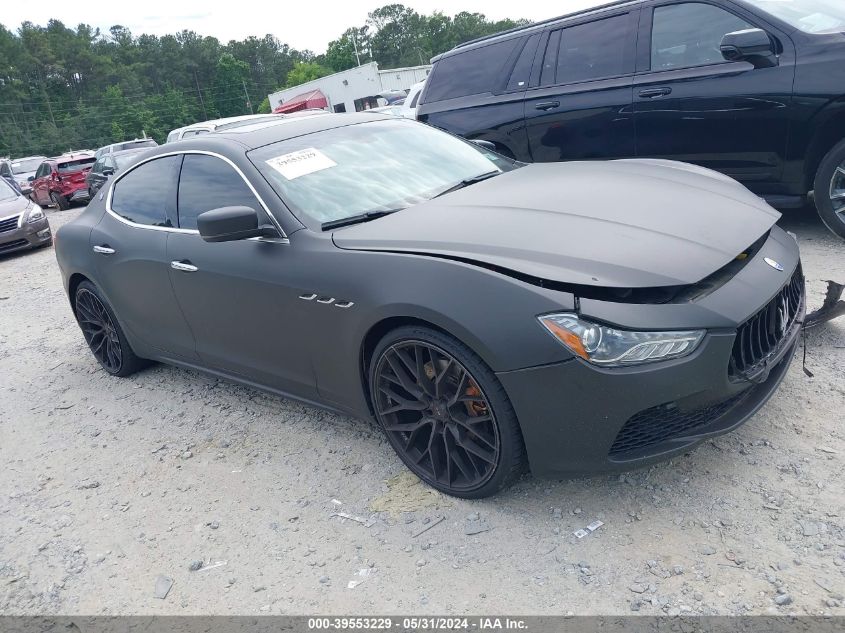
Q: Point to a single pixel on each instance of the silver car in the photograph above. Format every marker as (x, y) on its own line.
(23, 224)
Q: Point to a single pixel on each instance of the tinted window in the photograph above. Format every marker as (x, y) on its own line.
(73, 166)
(470, 72)
(522, 69)
(208, 183)
(415, 99)
(142, 195)
(550, 59)
(4, 170)
(98, 166)
(689, 34)
(593, 50)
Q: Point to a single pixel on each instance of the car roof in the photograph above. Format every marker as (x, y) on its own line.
(266, 132)
(534, 26)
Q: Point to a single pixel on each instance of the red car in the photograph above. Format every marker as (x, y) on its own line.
(61, 180)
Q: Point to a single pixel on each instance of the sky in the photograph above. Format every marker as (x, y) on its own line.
(303, 24)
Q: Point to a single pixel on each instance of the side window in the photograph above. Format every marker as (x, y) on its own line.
(5, 171)
(689, 34)
(470, 72)
(522, 69)
(547, 76)
(42, 170)
(206, 183)
(141, 196)
(98, 166)
(593, 50)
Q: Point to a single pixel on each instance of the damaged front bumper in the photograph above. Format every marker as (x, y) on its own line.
(578, 418)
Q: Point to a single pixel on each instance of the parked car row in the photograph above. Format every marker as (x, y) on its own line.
(754, 89)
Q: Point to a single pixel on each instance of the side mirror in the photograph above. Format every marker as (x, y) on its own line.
(30, 179)
(108, 171)
(485, 144)
(751, 45)
(228, 224)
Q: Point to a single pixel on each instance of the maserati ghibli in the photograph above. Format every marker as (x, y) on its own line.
(490, 316)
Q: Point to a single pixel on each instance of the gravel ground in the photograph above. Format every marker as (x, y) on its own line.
(109, 483)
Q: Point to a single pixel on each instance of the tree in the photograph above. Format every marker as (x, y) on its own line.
(306, 71)
(341, 53)
(229, 79)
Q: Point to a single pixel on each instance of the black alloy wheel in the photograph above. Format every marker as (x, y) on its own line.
(103, 334)
(60, 201)
(99, 331)
(438, 417)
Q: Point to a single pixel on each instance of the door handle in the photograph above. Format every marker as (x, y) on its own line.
(183, 266)
(104, 250)
(652, 93)
(547, 105)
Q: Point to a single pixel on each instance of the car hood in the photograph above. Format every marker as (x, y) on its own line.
(616, 224)
(13, 207)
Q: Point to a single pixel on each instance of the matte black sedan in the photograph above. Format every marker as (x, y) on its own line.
(490, 316)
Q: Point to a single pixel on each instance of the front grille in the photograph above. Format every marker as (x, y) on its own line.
(9, 246)
(666, 421)
(9, 224)
(762, 335)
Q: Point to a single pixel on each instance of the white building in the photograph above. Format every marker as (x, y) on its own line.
(354, 89)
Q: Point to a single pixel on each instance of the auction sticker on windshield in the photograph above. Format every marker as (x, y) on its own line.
(300, 163)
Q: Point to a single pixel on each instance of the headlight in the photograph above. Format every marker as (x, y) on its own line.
(610, 347)
(35, 213)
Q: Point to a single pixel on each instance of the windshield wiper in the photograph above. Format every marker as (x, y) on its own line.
(469, 181)
(356, 219)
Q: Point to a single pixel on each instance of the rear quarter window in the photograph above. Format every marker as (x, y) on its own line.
(470, 72)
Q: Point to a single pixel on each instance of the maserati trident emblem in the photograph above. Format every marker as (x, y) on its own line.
(773, 263)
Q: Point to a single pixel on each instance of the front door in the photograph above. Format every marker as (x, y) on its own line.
(41, 185)
(131, 253)
(694, 106)
(239, 297)
(581, 108)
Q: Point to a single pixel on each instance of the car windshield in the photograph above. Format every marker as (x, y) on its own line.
(6, 191)
(26, 165)
(123, 160)
(811, 16)
(370, 167)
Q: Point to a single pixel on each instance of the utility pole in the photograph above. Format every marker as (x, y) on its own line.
(246, 94)
(199, 92)
(355, 46)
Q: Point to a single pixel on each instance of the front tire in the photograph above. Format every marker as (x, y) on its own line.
(103, 333)
(830, 190)
(445, 413)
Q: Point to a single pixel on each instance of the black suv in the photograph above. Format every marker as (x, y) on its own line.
(752, 88)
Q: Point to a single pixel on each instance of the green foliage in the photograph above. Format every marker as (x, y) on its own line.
(306, 71)
(264, 108)
(63, 88)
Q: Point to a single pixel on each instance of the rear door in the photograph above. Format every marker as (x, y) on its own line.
(580, 105)
(130, 247)
(691, 105)
(238, 296)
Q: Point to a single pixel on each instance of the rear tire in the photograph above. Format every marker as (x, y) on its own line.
(455, 427)
(103, 333)
(830, 190)
(60, 201)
